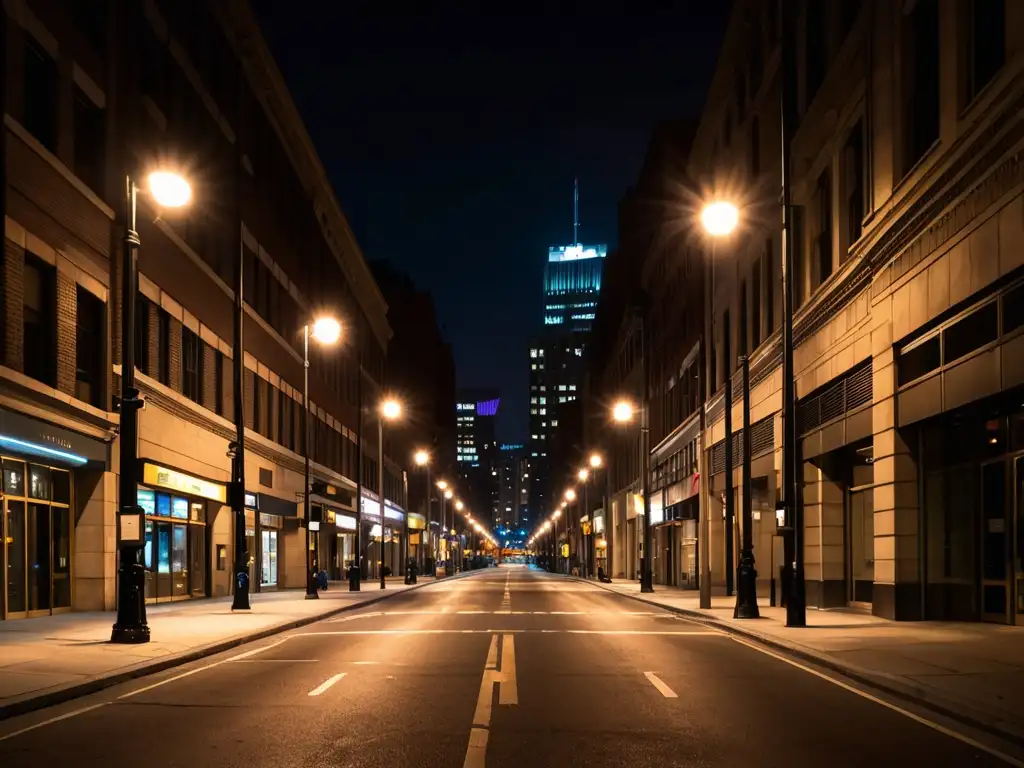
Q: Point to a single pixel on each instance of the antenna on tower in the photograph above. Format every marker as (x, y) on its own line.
(576, 210)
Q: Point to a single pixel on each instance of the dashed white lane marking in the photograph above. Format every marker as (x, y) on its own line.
(52, 720)
(888, 705)
(273, 661)
(365, 662)
(658, 683)
(326, 684)
(191, 672)
(504, 612)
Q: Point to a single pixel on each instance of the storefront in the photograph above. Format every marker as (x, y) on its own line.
(418, 540)
(37, 525)
(265, 517)
(382, 538)
(177, 508)
(345, 526)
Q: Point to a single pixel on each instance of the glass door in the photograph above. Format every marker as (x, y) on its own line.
(15, 555)
(860, 542)
(995, 544)
(197, 560)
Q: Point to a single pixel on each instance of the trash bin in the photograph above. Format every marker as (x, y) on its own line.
(410, 571)
(353, 578)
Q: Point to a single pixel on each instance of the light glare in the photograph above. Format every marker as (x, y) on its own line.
(169, 189)
(391, 409)
(326, 330)
(719, 218)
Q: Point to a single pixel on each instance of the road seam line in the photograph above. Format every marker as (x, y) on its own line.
(52, 720)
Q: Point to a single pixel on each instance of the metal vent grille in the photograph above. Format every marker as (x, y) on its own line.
(849, 392)
(762, 436)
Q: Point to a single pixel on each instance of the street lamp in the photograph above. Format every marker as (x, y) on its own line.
(422, 459)
(168, 190)
(720, 219)
(326, 331)
(596, 461)
(390, 410)
(622, 413)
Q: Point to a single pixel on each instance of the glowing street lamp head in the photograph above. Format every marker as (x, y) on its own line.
(326, 330)
(477, 527)
(596, 461)
(459, 505)
(719, 218)
(583, 474)
(570, 495)
(556, 514)
(443, 485)
(421, 457)
(169, 189)
(622, 412)
(448, 494)
(390, 409)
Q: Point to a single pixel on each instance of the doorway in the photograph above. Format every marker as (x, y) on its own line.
(35, 534)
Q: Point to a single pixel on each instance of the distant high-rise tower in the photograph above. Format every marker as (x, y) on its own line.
(572, 282)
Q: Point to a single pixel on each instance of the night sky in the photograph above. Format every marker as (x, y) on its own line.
(452, 143)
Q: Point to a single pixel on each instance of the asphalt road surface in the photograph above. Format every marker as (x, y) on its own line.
(505, 668)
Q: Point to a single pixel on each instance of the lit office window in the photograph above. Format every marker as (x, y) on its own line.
(554, 422)
(533, 353)
(543, 411)
(533, 401)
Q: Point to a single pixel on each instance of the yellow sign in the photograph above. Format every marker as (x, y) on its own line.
(416, 522)
(586, 529)
(162, 477)
(565, 550)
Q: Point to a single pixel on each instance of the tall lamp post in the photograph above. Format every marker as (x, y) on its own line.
(422, 459)
(583, 475)
(389, 410)
(623, 413)
(325, 330)
(570, 497)
(596, 462)
(720, 219)
(169, 191)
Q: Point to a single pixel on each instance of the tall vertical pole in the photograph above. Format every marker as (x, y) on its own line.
(730, 510)
(311, 592)
(796, 614)
(357, 554)
(130, 625)
(746, 574)
(380, 489)
(240, 598)
(430, 513)
(646, 566)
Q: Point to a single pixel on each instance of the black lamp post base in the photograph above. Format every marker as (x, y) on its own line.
(133, 634)
(746, 590)
(312, 596)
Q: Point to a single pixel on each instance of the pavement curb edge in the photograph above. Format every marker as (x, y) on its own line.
(102, 682)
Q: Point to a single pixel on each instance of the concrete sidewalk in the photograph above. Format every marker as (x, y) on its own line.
(973, 673)
(52, 659)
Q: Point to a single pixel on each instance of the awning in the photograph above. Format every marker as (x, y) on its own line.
(23, 435)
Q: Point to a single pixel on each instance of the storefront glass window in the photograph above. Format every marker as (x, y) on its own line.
(179, 508)
(269, 571)
(163, 505)
(38, 482)
(147, 500)
(61, 486)
(14, 478)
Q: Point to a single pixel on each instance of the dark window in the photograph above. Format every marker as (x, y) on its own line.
(755, 146)
(727, 130)
(916, 362)
(755, 314)
(755, 60)
(90, 143)
(281, 398)
(153, 65)
(741, 98)
(848, 12)
(40, 116)
(1013, 309)
(141, 345)
(90, 335)
(40, 320)
(164, 340)
(258, 404)
(90, 16)
(742, 330)
(853, 160)
(971, 332)
(987, 43)
(823, 242)
(220, 405)
(921, 81)
(817, 52)
(799, 257)
(249, 261)
(191, 365)
(726, 331)
(769, 282)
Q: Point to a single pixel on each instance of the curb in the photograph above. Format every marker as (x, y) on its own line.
(97, 684)
(863, 677)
